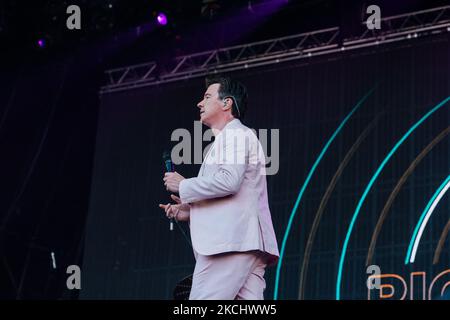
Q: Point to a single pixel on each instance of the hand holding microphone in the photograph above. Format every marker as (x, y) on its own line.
(171, 178)
(172, 183)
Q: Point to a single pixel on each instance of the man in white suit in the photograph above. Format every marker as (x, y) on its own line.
(226, 204)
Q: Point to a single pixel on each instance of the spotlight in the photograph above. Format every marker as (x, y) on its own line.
(41, 43)
(162, 19)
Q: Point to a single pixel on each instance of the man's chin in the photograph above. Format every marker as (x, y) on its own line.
(205, 123)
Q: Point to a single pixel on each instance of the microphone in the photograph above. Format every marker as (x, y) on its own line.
(168, 161)
(169, 168)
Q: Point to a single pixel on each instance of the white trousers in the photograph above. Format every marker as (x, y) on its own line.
(229, 276)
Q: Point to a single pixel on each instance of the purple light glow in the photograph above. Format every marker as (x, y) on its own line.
(162, 19)
(41, 43)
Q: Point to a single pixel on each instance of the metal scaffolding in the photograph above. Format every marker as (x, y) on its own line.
(300, 46)
(405, 26)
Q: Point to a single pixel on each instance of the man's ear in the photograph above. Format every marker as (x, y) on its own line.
(227, 103)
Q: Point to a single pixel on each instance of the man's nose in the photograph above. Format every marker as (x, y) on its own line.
(200, 104)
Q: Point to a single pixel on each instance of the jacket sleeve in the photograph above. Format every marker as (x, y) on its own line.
(227, 179)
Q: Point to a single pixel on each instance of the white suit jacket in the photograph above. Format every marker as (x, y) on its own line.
(228, 198)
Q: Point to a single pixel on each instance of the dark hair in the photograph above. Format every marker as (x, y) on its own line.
(231, 89)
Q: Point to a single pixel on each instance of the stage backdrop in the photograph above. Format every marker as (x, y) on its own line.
(364, 166)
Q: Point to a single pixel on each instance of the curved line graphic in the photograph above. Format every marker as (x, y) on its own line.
(369, 186)
(426, 214)
(389, 275)
(445, 287)
(437, 253)
(324, 202)
(305, 184)
(434, 281)
(396, 190)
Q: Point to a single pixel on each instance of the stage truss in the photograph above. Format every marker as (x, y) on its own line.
(301, 46)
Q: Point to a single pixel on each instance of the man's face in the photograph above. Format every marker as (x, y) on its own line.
(211, 105)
